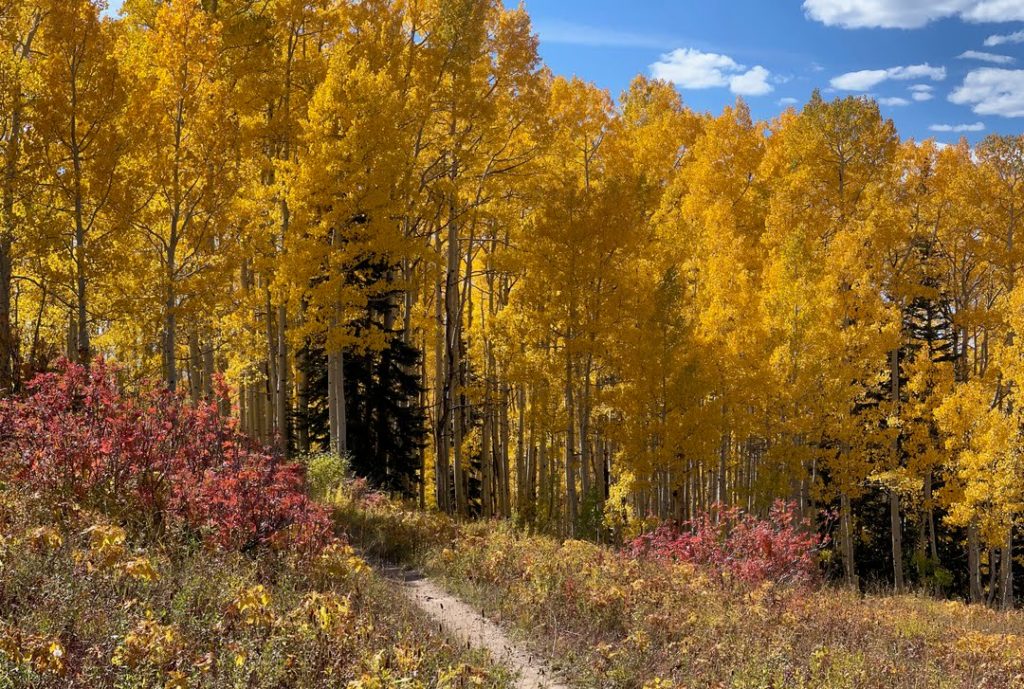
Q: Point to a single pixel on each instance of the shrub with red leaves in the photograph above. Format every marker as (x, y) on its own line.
(779, 549)
(78, 439)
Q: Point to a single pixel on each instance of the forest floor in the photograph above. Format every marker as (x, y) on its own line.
(472, 629)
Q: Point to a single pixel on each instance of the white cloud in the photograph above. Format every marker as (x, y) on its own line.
(1000, 39)
(570, 33)
(693, 69)
(753, 82)
(958, 128)
(909, 14)
(922, 92)
(993, 11)
(893, 102)
(985, 57)
(867, 79)
(787, 101)
(992, 91)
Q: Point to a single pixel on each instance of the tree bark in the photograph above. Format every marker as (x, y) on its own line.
(336, 402)
(1006, 572)
(933, 543)
(302, 400)
(895, 524)
(169, 335)
(974, 562)
(897, 539)
(195, 365)
(846, 536)
(209, 370)
(570, 446)
(441, 416)
(453, 346)
(7, 340)
(282, 411)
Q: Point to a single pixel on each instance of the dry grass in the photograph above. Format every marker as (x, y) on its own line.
(87, 605)
(617, 622)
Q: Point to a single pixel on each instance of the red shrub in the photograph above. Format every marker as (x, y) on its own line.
(78, 439)
(780, 548)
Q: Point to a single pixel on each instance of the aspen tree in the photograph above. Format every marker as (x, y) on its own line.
(183, 162)
(77, 120)
(19, 25)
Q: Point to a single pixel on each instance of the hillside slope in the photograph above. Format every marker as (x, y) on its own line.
(615, 621)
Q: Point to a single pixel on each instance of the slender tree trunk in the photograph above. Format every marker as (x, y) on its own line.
(846, 536)
(302, 400)
(84, 354)
(1006, 572)
(570, 446)
(282, 411)
(71, 341)
(723, 456)
(502, 434)
(933, 544)
(336, 402)
(584, 440)
(895, 524)
(84, 348)
(195, 365)
(12, 161)
(251, 396)
(7, 340)
(897, 538)
(270, 342)
(423, 405)
(993, 578)
(440, 392)
(487, 473)
(243, 419)
(453, 345)
(209, 369)
(974, 562)
(521, 475)
(170, 334)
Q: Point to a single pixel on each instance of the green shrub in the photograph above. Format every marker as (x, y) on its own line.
(325, 473)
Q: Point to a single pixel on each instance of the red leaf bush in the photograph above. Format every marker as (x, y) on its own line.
(79, 440)
(781, 548)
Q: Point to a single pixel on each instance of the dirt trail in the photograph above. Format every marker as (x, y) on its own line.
(466, 625)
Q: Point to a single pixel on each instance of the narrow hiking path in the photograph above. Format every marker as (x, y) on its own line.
(466, 625)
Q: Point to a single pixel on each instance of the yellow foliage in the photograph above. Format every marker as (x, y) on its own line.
(149, 643)
(340, 560)
(323, 613)
(45, 537)
(140, 568)
(253, 607)
(41, 654)
(106, 545)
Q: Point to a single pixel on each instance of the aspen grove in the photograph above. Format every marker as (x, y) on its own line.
(397, 236)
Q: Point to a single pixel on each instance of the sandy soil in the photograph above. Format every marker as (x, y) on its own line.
(461, 622)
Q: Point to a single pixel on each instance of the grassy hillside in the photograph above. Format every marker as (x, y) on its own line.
(144, 543)
(82, 605)
(617, 621)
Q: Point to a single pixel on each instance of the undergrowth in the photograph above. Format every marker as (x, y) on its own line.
(620, 619)
(144, 543)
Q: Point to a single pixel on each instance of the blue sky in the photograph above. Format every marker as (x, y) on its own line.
(911, 54)
(940, 68)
